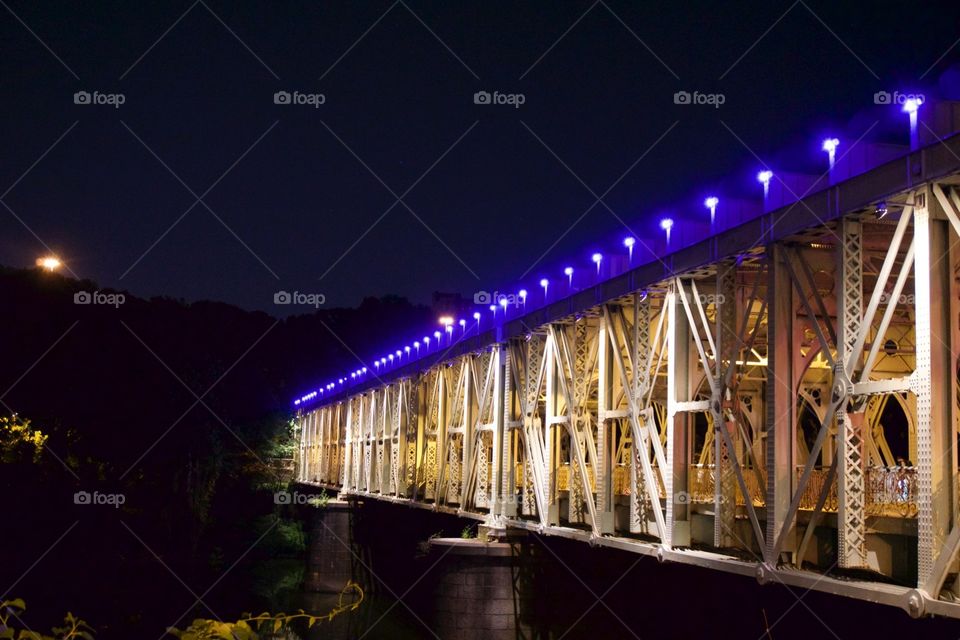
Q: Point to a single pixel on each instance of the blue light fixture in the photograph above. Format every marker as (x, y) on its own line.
(667, 224)
(711, 204)
(910, 107)
(763, 177)
(830, 146)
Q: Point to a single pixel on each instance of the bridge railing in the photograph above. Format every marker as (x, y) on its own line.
(891, 492)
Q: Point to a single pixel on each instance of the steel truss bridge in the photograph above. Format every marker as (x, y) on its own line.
(728, 406)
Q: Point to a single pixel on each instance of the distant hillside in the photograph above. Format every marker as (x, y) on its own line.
(104, 362)
(175, 406)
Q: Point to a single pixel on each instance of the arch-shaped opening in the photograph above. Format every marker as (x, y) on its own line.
(701, 427)
(747, 462)
(808, 426)
(895, 426)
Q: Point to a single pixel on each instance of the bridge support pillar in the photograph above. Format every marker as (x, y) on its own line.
(933, 385)
(477, 593)
(678, 424)
(330, 544)
(780, 407)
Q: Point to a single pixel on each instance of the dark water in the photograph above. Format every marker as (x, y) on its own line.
(567, 589)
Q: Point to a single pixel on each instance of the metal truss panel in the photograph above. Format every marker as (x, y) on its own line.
(852, 524)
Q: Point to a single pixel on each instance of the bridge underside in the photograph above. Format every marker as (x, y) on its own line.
(788, 411)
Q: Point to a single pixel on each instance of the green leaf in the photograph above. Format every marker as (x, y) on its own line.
(17, 603)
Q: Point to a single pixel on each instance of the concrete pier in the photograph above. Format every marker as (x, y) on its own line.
(482, 590)
(329, 558)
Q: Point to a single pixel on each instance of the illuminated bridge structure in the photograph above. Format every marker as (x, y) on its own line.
(730, 403)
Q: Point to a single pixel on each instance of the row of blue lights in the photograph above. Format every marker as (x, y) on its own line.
(829, 145)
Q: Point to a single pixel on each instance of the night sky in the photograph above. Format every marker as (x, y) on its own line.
(302, 198)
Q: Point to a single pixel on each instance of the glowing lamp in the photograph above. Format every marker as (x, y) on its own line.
(568, 271)
(911, 105)
(49, 263)
(628, 242)
(763, 178)
(667, 224)
(711, 204)
(830, 146)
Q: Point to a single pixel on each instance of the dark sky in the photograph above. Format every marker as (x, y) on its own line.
(292, 195)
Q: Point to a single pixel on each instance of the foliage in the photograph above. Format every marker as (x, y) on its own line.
(250, 627)
(284, 442)
(322, 500)
(18, 440)
(72, 628)
(282, 537)
(468, 533)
